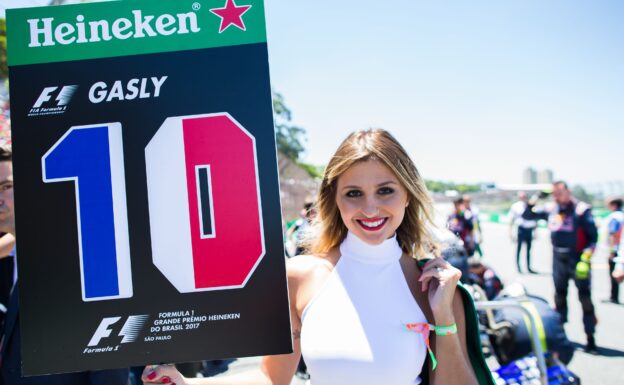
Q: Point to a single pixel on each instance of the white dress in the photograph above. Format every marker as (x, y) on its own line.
(354, 329)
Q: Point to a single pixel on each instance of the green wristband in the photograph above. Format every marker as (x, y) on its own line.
(445, 330)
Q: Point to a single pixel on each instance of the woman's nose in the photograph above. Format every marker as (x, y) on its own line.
(370, 209)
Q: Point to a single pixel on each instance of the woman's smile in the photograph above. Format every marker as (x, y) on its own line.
(372, 224)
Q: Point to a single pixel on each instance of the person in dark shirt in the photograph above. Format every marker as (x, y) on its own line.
(10, 346)
(483, 276)
(460, 222)
(573, 234)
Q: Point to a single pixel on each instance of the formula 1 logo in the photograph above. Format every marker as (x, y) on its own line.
(129, 333)
(53, 101)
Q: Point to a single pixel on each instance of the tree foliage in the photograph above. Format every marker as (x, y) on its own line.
(581, 194)
(4, 69)
(290, 138)
(312, 170)
(463, 188)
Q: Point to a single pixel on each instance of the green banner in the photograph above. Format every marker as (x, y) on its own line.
(120, 28)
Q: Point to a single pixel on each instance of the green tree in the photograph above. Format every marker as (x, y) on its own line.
(467, 188)
(581, 194)
(312, 170)
(290, 138)
(4, 69)
(462, 188)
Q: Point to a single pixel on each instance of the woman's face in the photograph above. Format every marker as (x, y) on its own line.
(371, 201)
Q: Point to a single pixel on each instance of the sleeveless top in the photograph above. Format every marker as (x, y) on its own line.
(354, 329)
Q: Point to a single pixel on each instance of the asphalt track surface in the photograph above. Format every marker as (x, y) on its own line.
(604, 368)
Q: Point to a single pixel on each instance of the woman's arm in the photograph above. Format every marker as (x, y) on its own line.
(274, 370)
(451, 351)
(440, 279)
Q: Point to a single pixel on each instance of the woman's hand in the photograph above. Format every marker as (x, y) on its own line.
(162, 374)
(440, 279)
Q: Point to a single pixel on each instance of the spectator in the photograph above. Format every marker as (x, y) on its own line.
(10, 349)
(477, 230)
(618, 271)
(524, 229)
(484, 276)
(298, 230)
(460, 222)
(573, 234)
(615, 223)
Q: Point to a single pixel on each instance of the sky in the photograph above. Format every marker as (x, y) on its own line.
(475, 91)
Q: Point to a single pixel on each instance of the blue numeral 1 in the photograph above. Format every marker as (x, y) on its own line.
(92, 158)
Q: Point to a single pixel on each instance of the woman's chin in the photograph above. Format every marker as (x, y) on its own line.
(372, 238)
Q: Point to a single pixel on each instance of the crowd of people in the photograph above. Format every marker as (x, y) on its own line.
(574, 237)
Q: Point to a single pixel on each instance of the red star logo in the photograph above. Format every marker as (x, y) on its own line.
(231, 14)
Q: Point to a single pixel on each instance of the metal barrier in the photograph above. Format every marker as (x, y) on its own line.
(535, 342)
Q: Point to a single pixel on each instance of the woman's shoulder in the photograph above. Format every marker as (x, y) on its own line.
(307, 274)
(306, 265)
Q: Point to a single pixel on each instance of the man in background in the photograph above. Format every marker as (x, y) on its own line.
(10, 349)
(476, 230)
(618, 271)
(615, 222)
(460, 223)
(484, 276)
(573, 234)
(523, 229)
(298, 230)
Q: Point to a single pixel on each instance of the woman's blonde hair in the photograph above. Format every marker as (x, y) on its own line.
(413, 233)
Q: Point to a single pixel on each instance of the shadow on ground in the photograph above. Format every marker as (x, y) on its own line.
(602, 351)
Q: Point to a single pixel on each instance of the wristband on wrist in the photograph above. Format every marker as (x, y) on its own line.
(424, 329)
(445, 330)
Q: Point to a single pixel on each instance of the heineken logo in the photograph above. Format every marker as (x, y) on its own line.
(89, 31)
(45, 32)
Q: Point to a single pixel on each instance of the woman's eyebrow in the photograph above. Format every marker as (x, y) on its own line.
(352, 186)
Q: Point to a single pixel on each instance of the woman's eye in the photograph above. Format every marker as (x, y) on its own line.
(385, 190)
(353, 193)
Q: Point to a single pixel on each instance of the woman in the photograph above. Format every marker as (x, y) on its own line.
(360, 304)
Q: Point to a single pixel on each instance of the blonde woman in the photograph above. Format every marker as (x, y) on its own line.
(362, 309)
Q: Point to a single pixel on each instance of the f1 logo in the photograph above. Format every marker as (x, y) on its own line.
(129, 331)
(62, 99)
(103, 331)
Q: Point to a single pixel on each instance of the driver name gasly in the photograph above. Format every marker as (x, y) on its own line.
(141, 88)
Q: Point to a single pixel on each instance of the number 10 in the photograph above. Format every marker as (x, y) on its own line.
(204, 203)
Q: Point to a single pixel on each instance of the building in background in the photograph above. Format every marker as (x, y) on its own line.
(529, 176)
(545, 176)
(532, 176)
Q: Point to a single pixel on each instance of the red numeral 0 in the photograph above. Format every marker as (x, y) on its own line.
(202, 183)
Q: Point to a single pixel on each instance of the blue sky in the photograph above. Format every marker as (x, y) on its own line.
(476, 91)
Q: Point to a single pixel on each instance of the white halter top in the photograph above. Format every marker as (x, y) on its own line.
(353, 330)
